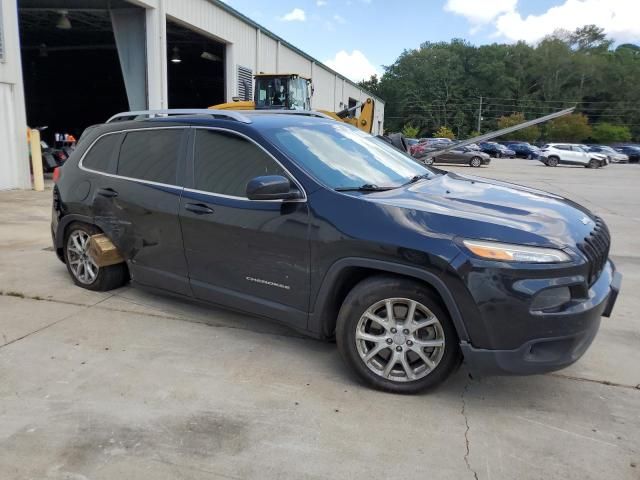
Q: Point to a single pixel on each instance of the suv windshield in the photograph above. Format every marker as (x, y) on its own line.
(342, 156)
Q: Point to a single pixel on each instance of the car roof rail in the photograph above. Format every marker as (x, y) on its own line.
(308, 113)
(180, 111)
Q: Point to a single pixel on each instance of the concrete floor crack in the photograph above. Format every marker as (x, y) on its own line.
(463, 411)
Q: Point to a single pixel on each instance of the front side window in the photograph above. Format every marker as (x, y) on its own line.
(150, 155)
(224, 163)
(339, 155)
(99, 156)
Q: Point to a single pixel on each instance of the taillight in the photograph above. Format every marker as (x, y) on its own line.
(56, 174)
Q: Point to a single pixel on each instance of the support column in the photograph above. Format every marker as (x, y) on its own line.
(231, 82)
(156, 34)
(14, 163)
(129, 32)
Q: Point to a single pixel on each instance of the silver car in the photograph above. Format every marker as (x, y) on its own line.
(612, 155)
(462, 156)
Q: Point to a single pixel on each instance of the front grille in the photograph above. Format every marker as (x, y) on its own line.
(596, 248)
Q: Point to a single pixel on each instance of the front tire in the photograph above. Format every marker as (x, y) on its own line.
(593, 163)
(395, 335)
(428, 161)
(475, 162)
(552, 161)
(83, 270)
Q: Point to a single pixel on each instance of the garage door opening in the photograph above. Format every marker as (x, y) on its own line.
(196, 72)
(71, 68)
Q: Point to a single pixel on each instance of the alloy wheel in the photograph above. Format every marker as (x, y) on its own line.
(400, 339)
(81, 264)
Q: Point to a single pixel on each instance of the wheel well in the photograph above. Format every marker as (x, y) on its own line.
(348, 278)
(60, 251)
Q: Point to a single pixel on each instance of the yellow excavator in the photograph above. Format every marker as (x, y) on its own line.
(290, 91)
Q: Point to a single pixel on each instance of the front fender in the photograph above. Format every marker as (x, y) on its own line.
(320, 322)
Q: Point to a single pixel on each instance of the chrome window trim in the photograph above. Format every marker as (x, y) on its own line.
(289, 174)
(192, 190)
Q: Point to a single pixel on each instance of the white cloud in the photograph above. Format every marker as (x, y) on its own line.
(321, 3)
(619, 18)
(354, 65)
(480, 11)
(295, 15)
(339, 19)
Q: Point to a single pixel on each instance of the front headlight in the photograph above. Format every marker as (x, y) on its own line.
(515, 253)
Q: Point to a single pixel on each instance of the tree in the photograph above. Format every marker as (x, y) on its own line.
(440, 83)
(609, 133)
(444, 132)
(529, 134)
(410, 131)
(372, 85)
(590, 37)
(569, 128)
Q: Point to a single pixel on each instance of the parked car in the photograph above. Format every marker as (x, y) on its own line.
(554, 154)
(338, 234)
(630, 151)
(438, 140)
(497, 150)
(612, 155)
(460, 156)
(412, 141)
(524, 150)
(426, 145)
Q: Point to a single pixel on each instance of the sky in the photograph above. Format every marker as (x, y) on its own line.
(357, 37)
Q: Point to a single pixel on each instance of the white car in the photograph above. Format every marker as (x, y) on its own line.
(554, 154)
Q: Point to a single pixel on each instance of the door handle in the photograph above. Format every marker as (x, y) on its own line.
(198, 208)
(107, 192)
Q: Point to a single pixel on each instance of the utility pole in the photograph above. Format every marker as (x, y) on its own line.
(480, 115)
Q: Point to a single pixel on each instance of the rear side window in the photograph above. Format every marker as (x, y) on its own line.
(224, 163)
(100, 154)
(151, 155)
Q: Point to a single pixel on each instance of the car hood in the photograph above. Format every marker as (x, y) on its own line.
(457, 205)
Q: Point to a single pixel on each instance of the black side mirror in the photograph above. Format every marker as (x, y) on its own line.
(272, 187)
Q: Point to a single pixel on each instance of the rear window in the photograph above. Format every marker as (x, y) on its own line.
(100, 154)
(150, 155)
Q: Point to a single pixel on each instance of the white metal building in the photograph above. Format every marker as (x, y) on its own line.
(70, 63)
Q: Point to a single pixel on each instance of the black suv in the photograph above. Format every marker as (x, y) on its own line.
(315, 224)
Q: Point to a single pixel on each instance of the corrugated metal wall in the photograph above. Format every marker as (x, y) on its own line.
(14, 161)
(248, 46)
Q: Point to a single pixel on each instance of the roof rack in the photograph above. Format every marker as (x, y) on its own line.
(308, 113)
(180, 111)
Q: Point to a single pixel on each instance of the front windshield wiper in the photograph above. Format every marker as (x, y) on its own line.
(416, 178)
(367, 187)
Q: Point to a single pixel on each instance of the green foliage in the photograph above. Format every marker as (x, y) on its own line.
(410, 131)
(569, 128)
(529, 134)
(440, 83)
(444, 132)
(609, 133)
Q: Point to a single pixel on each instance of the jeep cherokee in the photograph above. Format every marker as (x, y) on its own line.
(315, 224)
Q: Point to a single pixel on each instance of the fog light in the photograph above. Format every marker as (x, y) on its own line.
(551, 298)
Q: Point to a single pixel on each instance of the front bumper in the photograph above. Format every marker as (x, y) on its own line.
(545, 354)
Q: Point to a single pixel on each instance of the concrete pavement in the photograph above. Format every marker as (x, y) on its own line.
(126, 384)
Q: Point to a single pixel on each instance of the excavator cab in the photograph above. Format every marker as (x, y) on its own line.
(282, 92)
